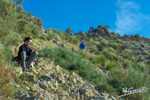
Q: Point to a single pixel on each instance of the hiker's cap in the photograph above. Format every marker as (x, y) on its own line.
(27, 39)
(30, 38)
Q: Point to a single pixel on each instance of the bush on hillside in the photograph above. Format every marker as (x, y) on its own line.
(127, 53)
(7, 17)
(73, 39)
(111, 55)
(100, 59)
(7, 74)
(68, 60)
(120, 79)
(115, 45)
(35, 30)
(91, 41)
(111, 65)
(50, 34)
(141, 66)
(127, 63)
(100, 47)
(43, 37)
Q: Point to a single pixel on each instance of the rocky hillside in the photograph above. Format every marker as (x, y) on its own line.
(110, 62)
(48, 81)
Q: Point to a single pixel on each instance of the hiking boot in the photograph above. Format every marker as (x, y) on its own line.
(24, 69)
(36, 61)
(28, 66)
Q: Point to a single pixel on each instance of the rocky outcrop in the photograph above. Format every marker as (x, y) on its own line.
(104, 32)
(51, 82)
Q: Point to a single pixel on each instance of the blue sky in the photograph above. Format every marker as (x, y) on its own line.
(123, 16)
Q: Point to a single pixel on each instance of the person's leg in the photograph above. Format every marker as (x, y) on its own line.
(82, 50)
(31, 57)
(23, 59)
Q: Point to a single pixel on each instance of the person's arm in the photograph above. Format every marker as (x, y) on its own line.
(83, 45)
(35, 50)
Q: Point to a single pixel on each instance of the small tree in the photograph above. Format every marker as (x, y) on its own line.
(19, 1)
(68, 30)
(137, 36)
(92, 27)
(100, 26)
(19, 9)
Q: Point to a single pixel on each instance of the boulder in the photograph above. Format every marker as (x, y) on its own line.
(28, 77)
(45, 95)
(43, 85)
(46, 77)
(35, 88)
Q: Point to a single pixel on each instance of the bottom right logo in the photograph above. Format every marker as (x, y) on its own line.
(129, 91)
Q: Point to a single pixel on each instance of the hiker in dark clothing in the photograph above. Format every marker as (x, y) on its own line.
(26, 55)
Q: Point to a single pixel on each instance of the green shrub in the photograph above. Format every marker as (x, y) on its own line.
(119, 41)
(128, 53)
(110, 55)
(142, 66)
(108, 88)
(50, 35)
(7, 17)
(43, 37)
(12, 40)
(100, 47)
(110, 65)
(7, 74)
(91, 41)
(127, 63)
(96, 39)
(115, 45)
(146, 52)
(73, 39)
(68, 60)
(84, 55)
(35, 30)
(120, 79)
(93, 49)
(100, 59)
(104, 42)
(63, 36)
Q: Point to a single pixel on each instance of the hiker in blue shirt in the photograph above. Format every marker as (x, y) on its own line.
(82, 46)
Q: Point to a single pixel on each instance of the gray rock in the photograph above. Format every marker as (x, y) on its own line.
(35, 88)
(46, 77)
(63, 45)
(100, 98)
(28, 77)
(23, 97)
(63, 98)
(82, 91)
(89, 86)
(64, 93)
(58, 39)
(43, 85)
(44, 95)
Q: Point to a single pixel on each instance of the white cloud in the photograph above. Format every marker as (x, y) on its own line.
(129, 19)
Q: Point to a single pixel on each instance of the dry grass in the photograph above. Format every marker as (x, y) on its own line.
(6, 76)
